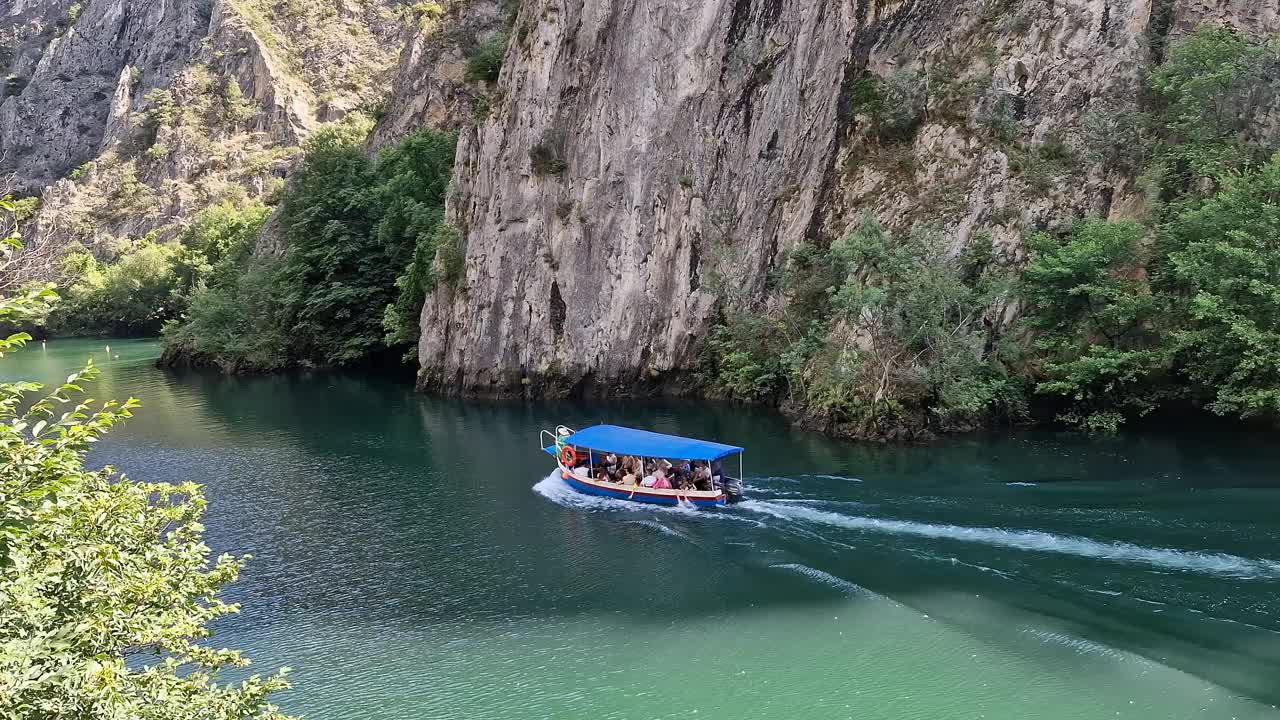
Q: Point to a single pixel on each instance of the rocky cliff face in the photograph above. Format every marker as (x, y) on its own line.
(644, 162)
(431, 88)
(130, 116)
(68, 60)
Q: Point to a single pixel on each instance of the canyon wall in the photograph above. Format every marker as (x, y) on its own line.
(644, 162)
(128, 117)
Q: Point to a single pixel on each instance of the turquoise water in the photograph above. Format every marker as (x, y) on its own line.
(414, 558)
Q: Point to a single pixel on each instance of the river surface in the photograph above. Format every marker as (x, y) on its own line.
(413, 558)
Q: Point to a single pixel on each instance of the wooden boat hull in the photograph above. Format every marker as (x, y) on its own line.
(702, 499)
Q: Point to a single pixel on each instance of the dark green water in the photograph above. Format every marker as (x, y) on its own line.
(413, 560)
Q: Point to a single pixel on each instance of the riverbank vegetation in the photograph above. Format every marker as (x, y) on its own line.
(365, 241)
(106, 586)
(886, 336)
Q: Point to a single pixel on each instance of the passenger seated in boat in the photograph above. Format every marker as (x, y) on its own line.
(702, 478)
(611, 463)
(630, 479)
(631, 465)
(661, 482)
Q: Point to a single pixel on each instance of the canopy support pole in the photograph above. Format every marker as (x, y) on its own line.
(591, 463)
(740, 468)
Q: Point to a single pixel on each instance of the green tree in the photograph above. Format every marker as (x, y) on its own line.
(880, 337)
(1207, 96)
(1097, 321)
(364, 239)
(106, 585)
(221, 238)
(236, 325)
(908, 336)
(1224, 264)
(413, 182)
(133, 296)
(337, 276)
(238, 109)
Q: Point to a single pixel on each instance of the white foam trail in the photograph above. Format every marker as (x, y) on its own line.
(660, 528)
(1022, 484)
(1082, 646)
(835, 477)
(826, 579)
(779, 478)
(770, 491)
(555, 489)
(1036, 541)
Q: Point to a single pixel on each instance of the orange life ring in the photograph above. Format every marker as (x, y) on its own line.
(568, 456)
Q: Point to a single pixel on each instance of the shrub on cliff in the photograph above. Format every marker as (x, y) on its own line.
(484, 63)
(895, 104)
(881, 337)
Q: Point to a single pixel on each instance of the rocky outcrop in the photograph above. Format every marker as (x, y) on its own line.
(431, 87)
(128, 117)
(64, 78)
(645, 162)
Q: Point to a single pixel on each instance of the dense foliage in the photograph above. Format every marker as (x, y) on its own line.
(150, 283)
(366, 242)
(880, 336)
(106, 585)
(1181, 309)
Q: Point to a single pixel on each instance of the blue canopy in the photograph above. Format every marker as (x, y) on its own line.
(625, 441)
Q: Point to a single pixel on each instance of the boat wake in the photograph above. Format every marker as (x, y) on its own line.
(555, 489)
(1081, 645)
(825, 578)
(1221, 564)
(834, 477)
(654, 524)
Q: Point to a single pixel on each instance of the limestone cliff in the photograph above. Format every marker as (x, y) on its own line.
(637, 150)
(128, 117)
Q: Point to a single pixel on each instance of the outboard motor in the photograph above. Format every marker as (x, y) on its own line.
(732, 490)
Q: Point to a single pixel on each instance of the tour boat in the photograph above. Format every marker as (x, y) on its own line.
(571, 447)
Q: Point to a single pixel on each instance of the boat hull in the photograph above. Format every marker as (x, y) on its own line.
(640, 494)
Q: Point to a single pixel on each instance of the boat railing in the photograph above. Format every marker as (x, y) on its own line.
(543, 444)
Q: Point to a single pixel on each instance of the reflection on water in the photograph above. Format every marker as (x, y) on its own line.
(413, 558)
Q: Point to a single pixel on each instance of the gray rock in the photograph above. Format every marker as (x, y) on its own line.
(688, 145)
